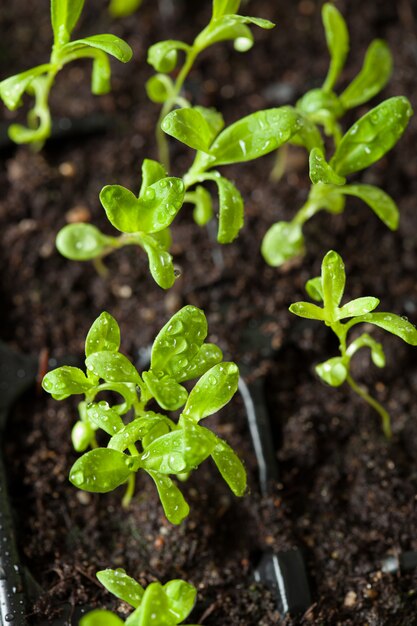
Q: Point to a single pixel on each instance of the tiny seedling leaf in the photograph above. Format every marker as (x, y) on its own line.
(282, 242)
(175, 507)
(373, 77)
(231, 210)
(103, 416)
(190, 127)
(321, 171)
(213, 391)
(101, 618)
(333, 278)
(307, 310)
(64, 16)
(168, 393)
(66, 381)
(112, 367)
(110, 44)
(333, 371)
(380, 202)
(81, 242)
(122, 586)
(230, 467)
(164, 54)
(104, 334)
(13, 88)
(101, 470)
(393, 324)
(181, 598)
(360, 306)
(314, 288)
(337, 38)
(372, 136)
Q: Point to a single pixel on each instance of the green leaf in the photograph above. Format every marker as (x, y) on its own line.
(321, 171)
(380, 202)
(112, 367)
(160, 261)
(307, 310)
(231, 210)
(64, 17)
(393, 324)
(282, 242)
(163, 56)
(314, 288)
(178, 343)
(333, 278)
(213, 118)
(366, 341)
(104, 334)
(145, 428)
(101, 76)
(123, 8)
(372, 136)
(13, 88)
(175, 507)
(169, 394)
(230, 27)
(65, 381)
(152, 172)
(101, 470)
(308, 136)
(152, 212)
(190, 127)
(333, 371)
(103, 416)
(356, 307)
(110, 44)
(337, 38)
(255, 135)
(82, 436)
(159, 88)
(215, 389)
(122, 586)
(179, 451)
(155, 605)
(230, 467)
(81, 242)
(316, 104)
(203, 210)
(100, 618)
(181, 598)
(223, 7)
(373, 77)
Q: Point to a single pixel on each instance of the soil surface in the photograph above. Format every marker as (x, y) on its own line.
(345, 495)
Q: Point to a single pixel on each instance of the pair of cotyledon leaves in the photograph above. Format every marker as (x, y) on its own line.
(329, 289)
(64, 17)
(178, 354)
(157, 605)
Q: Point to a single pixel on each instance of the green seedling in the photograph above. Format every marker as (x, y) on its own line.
(143, 220)
(123, 8)
(179, 354)
(225, 24)
(367, 141)
(329, 289)
(157, 605)
(38, 81)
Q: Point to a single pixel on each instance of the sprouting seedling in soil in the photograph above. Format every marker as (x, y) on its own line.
(38, 81)
(143, 221)
(225, 24)
(328, 289)
(157, 605)
(367, 141)
(166, 448)
(123, 8)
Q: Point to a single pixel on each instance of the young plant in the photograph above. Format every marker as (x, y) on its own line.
(225, 24)
(328, 289)
(38, 81)
(157, 605)
(367, 141)
(143, 220)
(166, 447)
(123, 8)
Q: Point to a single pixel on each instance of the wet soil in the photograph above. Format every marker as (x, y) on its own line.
(345, 495)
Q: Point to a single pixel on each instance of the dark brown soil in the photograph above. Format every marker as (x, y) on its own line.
(346, 496)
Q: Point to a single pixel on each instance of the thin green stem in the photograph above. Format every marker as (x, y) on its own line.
(130, 491)
(385, 417)
(161, 138)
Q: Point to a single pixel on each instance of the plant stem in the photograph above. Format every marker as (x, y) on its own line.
(130, 490)
(385, 417)
(161, 139)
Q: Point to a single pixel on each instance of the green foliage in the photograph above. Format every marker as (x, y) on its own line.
(123, 8)
(143, 220)
(367, 141)
(225, 24)
(328, 289)
(38, 81)
(150, 441)
(162, 605)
